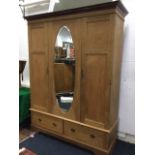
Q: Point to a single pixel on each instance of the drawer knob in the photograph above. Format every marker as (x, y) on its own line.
(54, 124)
(39, 120)
(92, 136)
(73, 130)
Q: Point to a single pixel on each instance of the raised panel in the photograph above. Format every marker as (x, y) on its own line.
(39, 81)
(38, 65)
(97, 34)
(38, 38)
(95, 88)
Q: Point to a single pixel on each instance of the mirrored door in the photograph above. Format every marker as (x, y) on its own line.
(64, 68)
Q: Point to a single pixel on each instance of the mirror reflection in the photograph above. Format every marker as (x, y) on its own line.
(64, 68)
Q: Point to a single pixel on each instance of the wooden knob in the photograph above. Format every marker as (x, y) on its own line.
(39, 120)
(92, 136)
(73, 130)
(54, 124)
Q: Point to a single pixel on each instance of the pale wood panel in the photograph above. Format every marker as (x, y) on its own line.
(116, 67)
(97, 34)
(39, 81)
(38, 38)
(94, 87)
(96, 66)
(38, 65)
(112, 137)
(47, 122)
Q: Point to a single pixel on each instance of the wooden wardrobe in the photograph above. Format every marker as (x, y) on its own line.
(93, 75)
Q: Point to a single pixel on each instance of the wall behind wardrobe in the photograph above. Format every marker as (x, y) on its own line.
(23, 48)
(127, 84)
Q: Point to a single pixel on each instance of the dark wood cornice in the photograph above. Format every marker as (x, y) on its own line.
(103, 6)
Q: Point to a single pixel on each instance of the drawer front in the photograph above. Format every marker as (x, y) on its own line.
(47, 122)
(84, 134)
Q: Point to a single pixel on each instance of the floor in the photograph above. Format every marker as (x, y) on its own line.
(25, 130)
(25, 133)
(43, 144)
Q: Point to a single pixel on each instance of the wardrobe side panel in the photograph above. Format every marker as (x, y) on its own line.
(116, 68)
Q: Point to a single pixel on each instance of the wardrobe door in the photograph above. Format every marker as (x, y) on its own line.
(65, 67)
(38, 65)
(96, 70)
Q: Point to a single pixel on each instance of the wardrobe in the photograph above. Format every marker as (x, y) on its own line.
(75, 61)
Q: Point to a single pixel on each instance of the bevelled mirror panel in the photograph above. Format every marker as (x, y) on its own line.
(64, 68)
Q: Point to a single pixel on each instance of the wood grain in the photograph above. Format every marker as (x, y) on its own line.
(38, 66)
(92, 120)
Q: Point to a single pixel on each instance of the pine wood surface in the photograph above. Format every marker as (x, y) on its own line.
(93, 117)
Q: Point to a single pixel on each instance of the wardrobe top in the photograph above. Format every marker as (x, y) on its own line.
(117, 4)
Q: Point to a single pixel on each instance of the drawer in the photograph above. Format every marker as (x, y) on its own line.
(84, 134)
(47, 122)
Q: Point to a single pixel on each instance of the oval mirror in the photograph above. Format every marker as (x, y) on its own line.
(64, 68)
